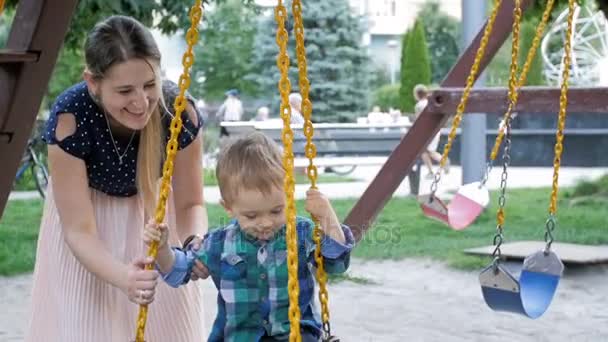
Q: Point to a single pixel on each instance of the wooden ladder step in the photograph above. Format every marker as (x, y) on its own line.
(12, 56)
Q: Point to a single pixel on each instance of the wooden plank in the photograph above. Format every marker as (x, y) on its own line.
(11, 56)
(537, 100)
(402, 159)
(39, 26)
(567, 252)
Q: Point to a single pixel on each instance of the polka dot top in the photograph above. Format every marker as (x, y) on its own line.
(92, 141)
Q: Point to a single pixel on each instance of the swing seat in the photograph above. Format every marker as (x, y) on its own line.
(532, 294)
(468, 203)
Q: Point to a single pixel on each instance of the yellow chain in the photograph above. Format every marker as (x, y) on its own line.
(311, 153)
(196, 13)
(469, 85)
(563, 103)
(280, 15)
(524, 74)
(500, 214)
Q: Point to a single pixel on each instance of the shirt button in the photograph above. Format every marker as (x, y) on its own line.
(265, 321)
(263, 276)
(263, 298)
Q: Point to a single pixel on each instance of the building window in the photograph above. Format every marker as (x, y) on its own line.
(393, 8)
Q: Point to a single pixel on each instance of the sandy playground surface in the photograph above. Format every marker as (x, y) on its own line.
(413, 300)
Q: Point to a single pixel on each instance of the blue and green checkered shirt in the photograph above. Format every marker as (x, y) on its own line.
(251, 278)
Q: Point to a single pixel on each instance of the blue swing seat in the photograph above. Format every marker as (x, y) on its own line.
(532, 294)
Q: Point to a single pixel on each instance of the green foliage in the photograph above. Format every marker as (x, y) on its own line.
(226, 50)
(535, 75)
(68, 70)
(338, 66)
(415, 66)
(597, 187)
(442, 33)
(387, 96)
(6, 20)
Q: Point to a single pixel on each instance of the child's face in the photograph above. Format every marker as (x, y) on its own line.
(260, 215)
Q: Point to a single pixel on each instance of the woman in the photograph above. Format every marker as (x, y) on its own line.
(106, 141)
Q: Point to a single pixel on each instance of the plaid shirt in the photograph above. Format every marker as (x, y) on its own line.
(251, 278)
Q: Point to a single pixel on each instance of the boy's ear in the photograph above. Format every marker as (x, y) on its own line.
(226, 207)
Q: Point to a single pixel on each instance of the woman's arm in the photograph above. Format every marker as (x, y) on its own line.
(191, 213)
(73, 201)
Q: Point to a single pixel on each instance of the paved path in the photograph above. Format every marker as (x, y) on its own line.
(519, 177)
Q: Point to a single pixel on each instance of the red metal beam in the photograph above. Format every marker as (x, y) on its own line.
(400, 162)
(39, 28)
(540, 100)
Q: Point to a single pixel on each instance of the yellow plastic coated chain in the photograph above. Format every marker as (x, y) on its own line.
(514, 94)
(563, 103)
(196, 13)
(280, 15)
(500, 214)
(311, 153)
(469, 85)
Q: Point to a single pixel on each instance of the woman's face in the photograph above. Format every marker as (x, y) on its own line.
(129, 92)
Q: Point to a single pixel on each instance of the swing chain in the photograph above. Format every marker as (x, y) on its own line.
(500, 215)
(284, 86)
(311, 152)
(192, 36)
(549, 228)
(486, 175)
(561, 123)
(465, 95)
(514, 94)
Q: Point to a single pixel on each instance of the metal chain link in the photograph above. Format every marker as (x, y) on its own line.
(561, 123)
(506, 156)
(465, 95)
(521, 82)
(311, 153)
(284, 85)
(196, 13)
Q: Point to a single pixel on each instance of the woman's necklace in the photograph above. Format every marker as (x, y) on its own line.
(120, 156)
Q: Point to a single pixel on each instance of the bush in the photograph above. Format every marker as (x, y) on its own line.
(591, 188)
(387, 96)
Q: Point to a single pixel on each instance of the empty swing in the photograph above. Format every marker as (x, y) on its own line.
(532, 294)
(471, 199)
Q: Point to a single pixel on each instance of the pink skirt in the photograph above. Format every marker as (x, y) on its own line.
(69, 304)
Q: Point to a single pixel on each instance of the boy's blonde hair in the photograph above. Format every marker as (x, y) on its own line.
(251, 162)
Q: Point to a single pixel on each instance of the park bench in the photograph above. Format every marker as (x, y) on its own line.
(341, 147)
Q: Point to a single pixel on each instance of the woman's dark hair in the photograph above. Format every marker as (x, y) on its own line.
(116, 40)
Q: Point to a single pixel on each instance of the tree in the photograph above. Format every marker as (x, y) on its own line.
(535, 75)
(442, 33)
(415, 66)
(338, 66)
(226, 50)
(169, 16)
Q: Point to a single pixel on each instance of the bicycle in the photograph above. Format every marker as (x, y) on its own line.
(32, 160)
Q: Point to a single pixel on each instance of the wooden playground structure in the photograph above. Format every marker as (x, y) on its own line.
(26, 63)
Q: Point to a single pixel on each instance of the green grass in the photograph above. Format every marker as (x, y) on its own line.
(18, 235)
(400, 231)
(210, 179)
